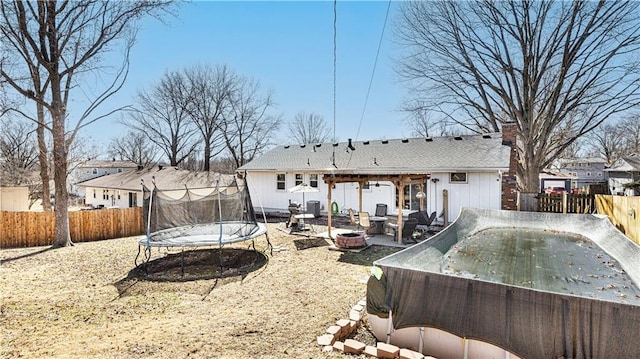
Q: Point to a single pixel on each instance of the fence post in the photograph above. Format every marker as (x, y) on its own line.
(564, 202)
(445, 206)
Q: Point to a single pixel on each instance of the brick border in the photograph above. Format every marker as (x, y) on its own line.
(336, 339)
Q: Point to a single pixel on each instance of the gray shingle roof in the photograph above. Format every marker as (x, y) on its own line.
(628, 163)
(107, 164)
(166, 178)
(399, 156)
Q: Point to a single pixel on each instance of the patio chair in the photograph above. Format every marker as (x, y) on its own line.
(363, 221)
(352, 217)
(408, 229)
(422, 218)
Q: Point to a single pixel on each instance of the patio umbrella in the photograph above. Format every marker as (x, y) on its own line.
(303, 188)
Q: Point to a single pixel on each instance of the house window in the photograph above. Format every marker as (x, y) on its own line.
(299, 178)
(119, 170)
(94, 193)
(458, 177)
(105, 194)
(411, 202)
(118, 192)
(281, 180)
(94, 171)
(313, 180)
(366, 185)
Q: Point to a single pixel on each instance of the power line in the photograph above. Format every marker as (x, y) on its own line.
(335, 51)
(372, 72)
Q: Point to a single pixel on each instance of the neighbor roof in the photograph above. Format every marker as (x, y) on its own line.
(107, 164)
(626, 164)
(398, 156)
(166, 178)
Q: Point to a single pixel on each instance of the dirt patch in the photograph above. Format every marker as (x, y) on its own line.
(89, 300)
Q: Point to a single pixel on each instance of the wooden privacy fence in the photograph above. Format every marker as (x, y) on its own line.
(566, 203)
(623, 211)
(30, 229)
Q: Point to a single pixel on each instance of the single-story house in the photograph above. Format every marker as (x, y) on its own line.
(96, 168)
(14, 198)
(412, 173)
(624, 170)
(124, 189)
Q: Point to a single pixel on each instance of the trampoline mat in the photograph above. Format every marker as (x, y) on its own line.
(205, 235)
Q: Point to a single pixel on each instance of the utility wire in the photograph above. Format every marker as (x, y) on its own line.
(372, 72)
(335, 51)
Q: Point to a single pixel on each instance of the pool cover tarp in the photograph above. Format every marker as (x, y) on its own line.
(540, 285)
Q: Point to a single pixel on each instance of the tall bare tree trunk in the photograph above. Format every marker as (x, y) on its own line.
(43, 160)
(62, 235)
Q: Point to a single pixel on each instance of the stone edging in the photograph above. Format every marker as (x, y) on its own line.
(336, 338)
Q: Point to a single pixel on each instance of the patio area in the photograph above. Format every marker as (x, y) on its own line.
(317, 228)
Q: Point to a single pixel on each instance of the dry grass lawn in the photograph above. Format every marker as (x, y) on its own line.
(85, 301)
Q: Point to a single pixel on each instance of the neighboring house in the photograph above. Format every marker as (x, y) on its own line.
(96, 168)
(14, 198)
(625, 170)
(472, 169)
(585, 171)
(552, 180)
(124, 189)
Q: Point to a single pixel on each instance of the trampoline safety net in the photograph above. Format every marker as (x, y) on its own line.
(199, 217)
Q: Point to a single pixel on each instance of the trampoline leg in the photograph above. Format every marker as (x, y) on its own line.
(135, 261)
(182, 263)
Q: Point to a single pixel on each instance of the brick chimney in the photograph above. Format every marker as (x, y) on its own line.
(509, 187)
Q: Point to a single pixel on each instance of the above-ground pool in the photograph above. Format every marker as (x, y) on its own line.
(512, 284)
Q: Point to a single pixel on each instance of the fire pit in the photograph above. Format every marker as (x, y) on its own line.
(350, 240)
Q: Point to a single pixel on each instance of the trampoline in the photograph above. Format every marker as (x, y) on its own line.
(512, 284)
(199, 217)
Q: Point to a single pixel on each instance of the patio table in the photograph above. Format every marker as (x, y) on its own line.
(377, 224)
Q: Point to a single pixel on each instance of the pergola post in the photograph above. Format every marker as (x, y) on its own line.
(329, 207)
(400, 189)
(360, 184)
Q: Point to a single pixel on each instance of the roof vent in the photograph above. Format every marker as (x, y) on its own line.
(429, 139)
(384, 142)
(458, 138)
(335, 144)
(303, 145)
(286, 146)
(365, 142)
(350, 146)
(405, 140)
(318, 144)
(486, 135)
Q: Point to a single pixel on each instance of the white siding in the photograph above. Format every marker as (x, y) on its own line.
(112, 200)
(482, 190)
(14, 199)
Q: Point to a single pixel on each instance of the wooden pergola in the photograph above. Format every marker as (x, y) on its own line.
(398, 180)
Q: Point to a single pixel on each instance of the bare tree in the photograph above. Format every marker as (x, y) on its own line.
(54, 42)
(248, 126)
(163, 114)
(606, 141)
(18, 151)
(309, 128)
(630, 131)
(134, 146)
(556, 69)
(211, 88)
(19, 158)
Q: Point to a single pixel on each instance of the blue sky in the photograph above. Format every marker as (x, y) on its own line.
(288, 47)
